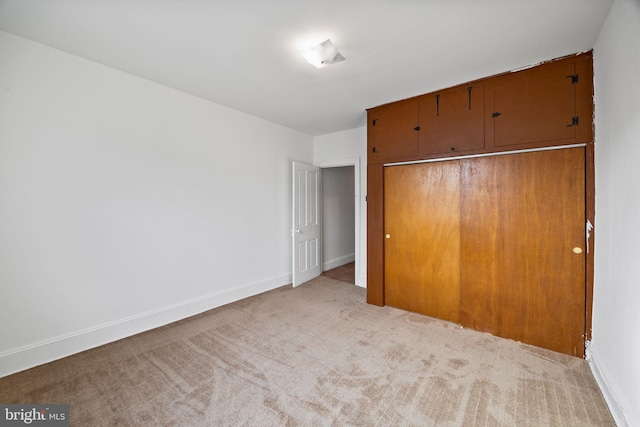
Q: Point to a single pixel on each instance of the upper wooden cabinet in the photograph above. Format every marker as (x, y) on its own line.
(452, 120)
(536, 105)
(549, 104)
(393, 132)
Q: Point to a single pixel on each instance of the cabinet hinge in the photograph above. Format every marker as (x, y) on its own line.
(574, 78)
(374, 122)
(574, 121)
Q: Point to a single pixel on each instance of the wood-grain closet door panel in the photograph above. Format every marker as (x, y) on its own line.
(522, 216)
(422, 248)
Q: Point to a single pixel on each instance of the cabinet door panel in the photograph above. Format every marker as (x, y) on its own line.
(535, 105)
(452, 120)
(522, 216)
(422, 251)
(392, 133)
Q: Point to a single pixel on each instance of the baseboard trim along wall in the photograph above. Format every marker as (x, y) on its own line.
(338, 262)
(26, 357)
(610, 395)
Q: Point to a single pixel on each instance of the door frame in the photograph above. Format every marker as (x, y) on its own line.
(355, 162)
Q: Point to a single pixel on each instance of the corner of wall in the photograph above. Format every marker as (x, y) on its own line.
(606, 388)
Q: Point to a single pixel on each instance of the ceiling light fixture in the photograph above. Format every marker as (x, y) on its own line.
(322, 55)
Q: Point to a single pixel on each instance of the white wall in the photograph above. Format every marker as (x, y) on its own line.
(338, 217)
(349, 148)
(615, 349)
(125, 204)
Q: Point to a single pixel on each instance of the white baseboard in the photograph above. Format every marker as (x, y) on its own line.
(26, 357)
(609, 393)
(338, 262)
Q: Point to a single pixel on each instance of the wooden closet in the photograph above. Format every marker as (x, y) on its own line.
(478, 200)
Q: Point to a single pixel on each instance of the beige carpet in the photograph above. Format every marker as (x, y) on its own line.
(315, 355)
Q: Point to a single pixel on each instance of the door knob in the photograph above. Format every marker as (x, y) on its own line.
(388, 236)
(577, 250)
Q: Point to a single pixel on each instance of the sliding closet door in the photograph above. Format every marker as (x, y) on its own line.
(523, 247)
(422, 238)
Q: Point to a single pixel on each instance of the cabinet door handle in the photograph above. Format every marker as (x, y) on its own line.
(416, 128)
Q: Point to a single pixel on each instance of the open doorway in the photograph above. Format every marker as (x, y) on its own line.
(339, 222)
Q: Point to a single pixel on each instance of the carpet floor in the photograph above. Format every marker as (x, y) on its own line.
(315, 355)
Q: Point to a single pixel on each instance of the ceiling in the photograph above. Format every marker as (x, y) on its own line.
(244, 53)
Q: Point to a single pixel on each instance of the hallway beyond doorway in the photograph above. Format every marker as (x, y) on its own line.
(344, 273)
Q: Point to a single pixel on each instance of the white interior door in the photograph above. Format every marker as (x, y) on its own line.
(307, 248)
